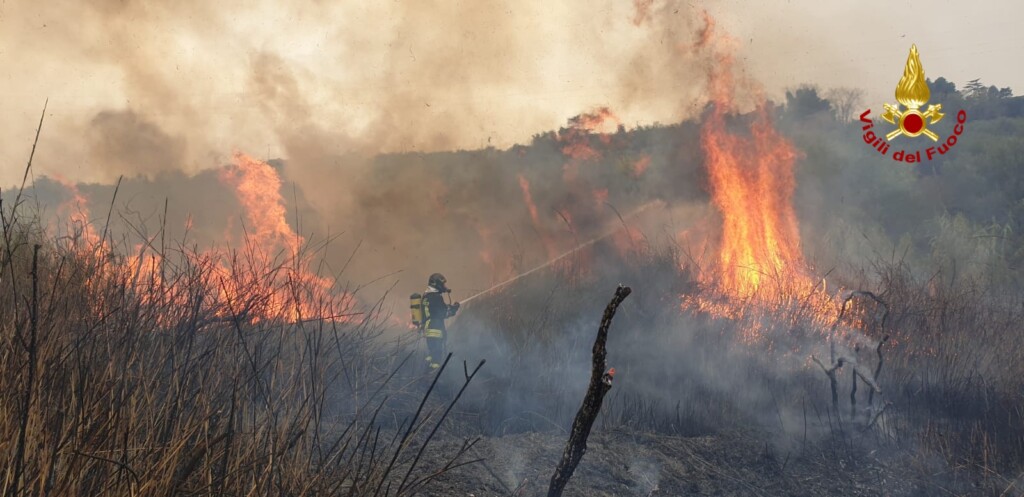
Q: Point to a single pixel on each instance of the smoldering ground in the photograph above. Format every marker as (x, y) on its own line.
(678, 371)
(679, 374)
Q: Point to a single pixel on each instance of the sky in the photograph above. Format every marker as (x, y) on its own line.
(144, 87)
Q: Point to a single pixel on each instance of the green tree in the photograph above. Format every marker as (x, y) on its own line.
(943, 87)
(804, 102)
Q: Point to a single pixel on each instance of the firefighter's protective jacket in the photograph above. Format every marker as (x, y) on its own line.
(435, 311)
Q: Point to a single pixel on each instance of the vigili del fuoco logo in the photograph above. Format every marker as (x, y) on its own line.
(911, 122)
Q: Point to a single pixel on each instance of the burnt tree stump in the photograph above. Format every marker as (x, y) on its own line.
(600, 383)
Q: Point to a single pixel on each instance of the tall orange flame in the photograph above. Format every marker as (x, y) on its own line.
(294, 292)
(258, 188)
(269, 280)
(751, 181)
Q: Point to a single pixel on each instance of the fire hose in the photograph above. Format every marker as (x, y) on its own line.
(569, 252)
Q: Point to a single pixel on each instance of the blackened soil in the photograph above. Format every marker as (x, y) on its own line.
(621, 463)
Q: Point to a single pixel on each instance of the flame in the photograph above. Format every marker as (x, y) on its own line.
(524, 185)
(912, 90)
(629, 242)
(257, 284)
(293, 291)
(758, 274)
(549, 245)
(580, 151)
(576, 140)
(76, 210)
(601, 120)
(258, 188)
(500, 264)
(751, 182)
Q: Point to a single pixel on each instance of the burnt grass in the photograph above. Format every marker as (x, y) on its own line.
(625, 462)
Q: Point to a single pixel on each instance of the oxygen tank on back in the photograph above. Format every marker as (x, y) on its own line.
(416, 308)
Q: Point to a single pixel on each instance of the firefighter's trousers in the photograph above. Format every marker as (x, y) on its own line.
(435, 350)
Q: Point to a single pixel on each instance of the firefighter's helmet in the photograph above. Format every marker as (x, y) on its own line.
(438, 281)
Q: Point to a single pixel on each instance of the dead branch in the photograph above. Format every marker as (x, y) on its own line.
(877, 415)
(878, 368)
(867, 381)
(832, 380)
(853, 391)
(600, 383)
(872, 380)
(864, 293)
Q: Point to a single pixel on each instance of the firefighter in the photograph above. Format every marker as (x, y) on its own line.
(435, 311)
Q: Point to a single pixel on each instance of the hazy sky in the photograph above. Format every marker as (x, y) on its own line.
(148, 86)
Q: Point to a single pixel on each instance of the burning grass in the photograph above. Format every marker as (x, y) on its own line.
(949, 386)
(214, 373)
(123, 383)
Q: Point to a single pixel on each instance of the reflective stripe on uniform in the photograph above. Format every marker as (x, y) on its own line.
(426, 318)
(433, 334)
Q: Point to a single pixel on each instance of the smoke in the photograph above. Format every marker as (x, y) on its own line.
(352, 98)
(371, 109)
(678, 372)
(123, 141)
(420, 76)
(354, 107)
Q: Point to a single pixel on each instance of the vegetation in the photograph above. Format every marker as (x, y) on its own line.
(116, 384)
(112, 384)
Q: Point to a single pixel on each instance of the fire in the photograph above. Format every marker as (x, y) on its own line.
(576, 140)
(258, 188)
(600, 120)
(629, 241)
(294, 292)
(758, 275)
(76, 211)
(270, 279)
(751, 180)
(549, 245)
(600, 197)
(499, 263)
(524, 185)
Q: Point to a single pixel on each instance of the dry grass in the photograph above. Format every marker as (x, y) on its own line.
(950, 384)
(113, 382)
